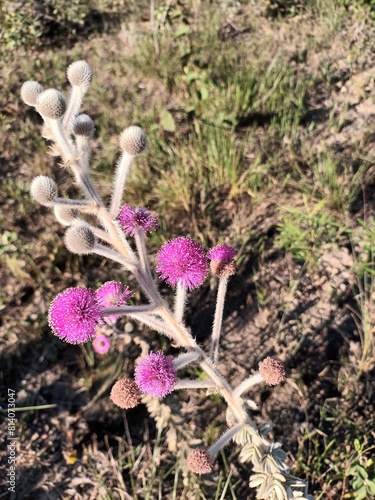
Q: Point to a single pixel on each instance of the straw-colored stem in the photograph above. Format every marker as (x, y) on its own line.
(179, 304)
(193, 384)
(224, 439)
(74, 104)
(122, 172)
(140, 242)
(248, 383)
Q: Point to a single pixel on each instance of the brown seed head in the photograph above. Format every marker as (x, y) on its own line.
(30, 91)
(44, 190)
(125, 393)
(80, 75)
(199, 461)
(133, 140)
(272, 370)
(223, 269)
(51, 104)
(80, 240)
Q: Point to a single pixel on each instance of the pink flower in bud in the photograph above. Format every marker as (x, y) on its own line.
(182, 261)
(199, 461)
(156, 374)
(125, 393)
(133, 218)
(272, 371)
(222, 263)
(113, 294)
(74, 314)
(101, 344)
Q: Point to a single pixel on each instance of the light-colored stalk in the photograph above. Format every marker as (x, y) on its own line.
(83, 152)
(122, 172)
(124, 310)
(193, 384)
(186, 358)
(218, 320)
(248, 383)
(224, 439)
(139, 237)
(74, 105)
(179, 304)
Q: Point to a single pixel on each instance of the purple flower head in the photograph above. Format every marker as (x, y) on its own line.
(156, 374)
(183, 261)
(74, 314)
(101, 344)
(222, 263)
(113, 294)
(132, 218)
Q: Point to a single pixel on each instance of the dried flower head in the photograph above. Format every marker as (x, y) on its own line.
(79, 74)
(30, 91)
(74, 314)
(83, 126)
(133, 141)
(272, 371)
(125, 393)
(51, 104)
(182, 261)
(199, 461)
(132, 218)
(222, 263)
(80, 240)
(65, 215)
(113, 294)
(101, 344)
(156, 374)
(44, 190)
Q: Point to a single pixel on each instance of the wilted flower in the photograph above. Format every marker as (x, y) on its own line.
(125, 393)
(222, 263)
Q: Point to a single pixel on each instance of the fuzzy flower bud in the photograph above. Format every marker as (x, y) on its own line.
(101, 344)
(44, 190)
(184, 261)
(65, 215)
(272, 371)
(133, 140)
(30, 91)
(51, 104)
(83, 125)
(222, 263)
(156, 374)
(113, 294)
(199, 461)
(132, 218)
(74, 315)
(80, 240)
(80, 74)
(125, 393)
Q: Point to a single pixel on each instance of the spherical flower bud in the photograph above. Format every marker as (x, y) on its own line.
(65, 214)
(30, 91)
(80, 75)
(133, 140)
(44, 190)
(222, 263)
(74, 315)
(125, 393)
(132, 218)
(156, 374)
(51, 104)
(199, 461)
(113, 294)
(83, 125)
(101, 344)
(80, 240)
(182, 261)
(272, 371)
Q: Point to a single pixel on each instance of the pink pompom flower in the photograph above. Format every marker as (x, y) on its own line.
(74, 315)
(222, 263)
(133, 218)
(113, 294)
(182, 261)
(156, 374)
(101, 344)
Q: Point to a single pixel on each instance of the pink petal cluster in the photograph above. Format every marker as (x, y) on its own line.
(199, 461)
(182, 261)
(113, 294)
(125, 393)
(101, 344)
(133, 218)
(74, 315)
(222, 263)
(156, 374)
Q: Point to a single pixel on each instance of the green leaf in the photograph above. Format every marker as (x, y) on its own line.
(181, 31)
(167, 121)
